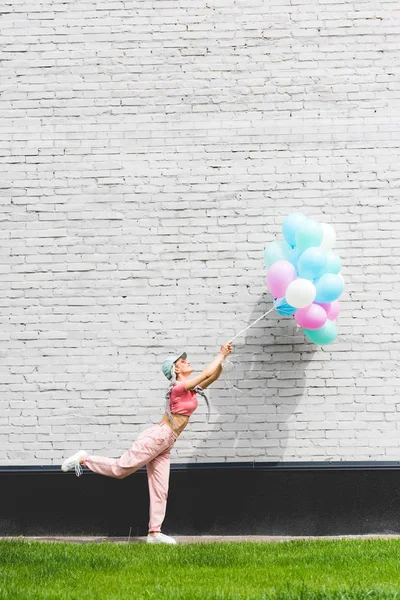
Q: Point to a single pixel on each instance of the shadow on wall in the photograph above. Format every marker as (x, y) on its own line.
(274, 365)
(252, 422)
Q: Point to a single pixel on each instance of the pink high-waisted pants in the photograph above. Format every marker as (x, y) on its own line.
(151, 448)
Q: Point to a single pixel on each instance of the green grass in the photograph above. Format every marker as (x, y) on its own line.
(314, 570)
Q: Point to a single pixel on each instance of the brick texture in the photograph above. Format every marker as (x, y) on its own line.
(149, 151)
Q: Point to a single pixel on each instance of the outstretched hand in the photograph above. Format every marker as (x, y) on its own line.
(226, 349)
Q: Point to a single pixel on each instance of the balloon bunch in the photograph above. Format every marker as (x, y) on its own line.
(304, 276)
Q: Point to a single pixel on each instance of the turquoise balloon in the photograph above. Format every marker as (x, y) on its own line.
(294, 257)
(276, 251)
(329, 287)
(333, 263)
(291, 225)
(283, 308)
(309, 234)
(324, 335)
(312, 263)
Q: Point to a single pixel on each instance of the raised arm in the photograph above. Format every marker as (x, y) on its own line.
(210, 369)
(213, 377)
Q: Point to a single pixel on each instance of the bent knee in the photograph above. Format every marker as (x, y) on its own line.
(120, 473)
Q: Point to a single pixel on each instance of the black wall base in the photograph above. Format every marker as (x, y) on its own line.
(207, 499)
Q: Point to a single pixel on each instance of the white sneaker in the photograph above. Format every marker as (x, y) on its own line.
(74, 462)
(160, 538)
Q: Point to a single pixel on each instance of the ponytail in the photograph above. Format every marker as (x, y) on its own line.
(168, 396)
(199, 390)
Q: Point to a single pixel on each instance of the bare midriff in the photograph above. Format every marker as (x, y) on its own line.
(180, 420)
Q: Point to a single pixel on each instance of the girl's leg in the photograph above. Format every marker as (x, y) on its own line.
(158, 478)
(107, 466)
(144, 449)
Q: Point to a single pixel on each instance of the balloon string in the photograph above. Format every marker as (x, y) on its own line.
(228, 384)
(277, 303)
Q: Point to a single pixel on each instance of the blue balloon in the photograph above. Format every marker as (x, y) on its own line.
(324, 335)
(294, 257)
(333, 263)
(283, 308)
(329, 287)
(312, 263)
(290, 226)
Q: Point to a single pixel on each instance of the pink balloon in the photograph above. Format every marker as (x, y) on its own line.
(279, 275)
(311, 317)
(332, 309)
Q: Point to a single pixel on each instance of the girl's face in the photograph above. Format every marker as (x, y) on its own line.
(183, 367)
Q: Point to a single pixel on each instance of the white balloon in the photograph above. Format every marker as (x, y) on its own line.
(300, 293)
(329, 237)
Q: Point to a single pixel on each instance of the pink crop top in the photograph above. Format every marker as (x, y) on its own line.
(183, 401)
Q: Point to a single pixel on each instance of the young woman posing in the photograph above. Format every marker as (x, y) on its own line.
(152, 447)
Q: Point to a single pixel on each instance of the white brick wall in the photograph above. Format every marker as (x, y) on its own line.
(149, 151)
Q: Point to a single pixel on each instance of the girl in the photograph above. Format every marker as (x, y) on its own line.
(152, 447)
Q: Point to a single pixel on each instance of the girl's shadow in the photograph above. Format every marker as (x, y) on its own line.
(255, 401)
(273, 358)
